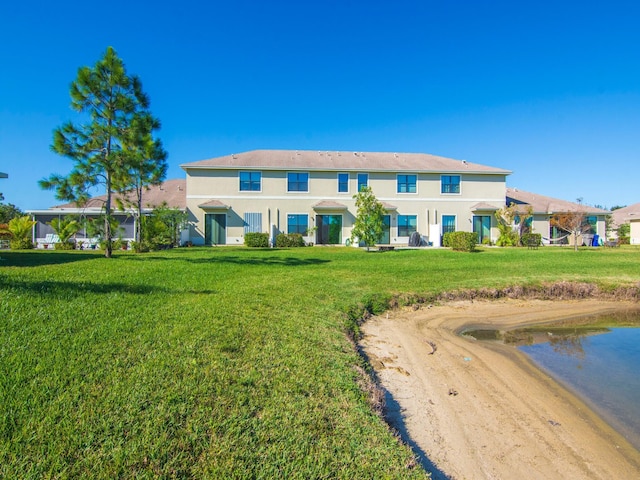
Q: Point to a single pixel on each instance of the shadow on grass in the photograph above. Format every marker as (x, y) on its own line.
(49, 287)
(37, 258)
(237, 260)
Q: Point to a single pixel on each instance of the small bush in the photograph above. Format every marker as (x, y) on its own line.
(255, 239)
(461, 241)
(21, 244)
(624, 240)
(289, 240)
(64, 246)
(531, 240)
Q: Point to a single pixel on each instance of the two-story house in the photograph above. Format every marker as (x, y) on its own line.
(311, 192)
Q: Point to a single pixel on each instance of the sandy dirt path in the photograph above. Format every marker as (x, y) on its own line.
(474, 410)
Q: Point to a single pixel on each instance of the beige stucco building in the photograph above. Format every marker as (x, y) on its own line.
(543, 208)
(311, 192)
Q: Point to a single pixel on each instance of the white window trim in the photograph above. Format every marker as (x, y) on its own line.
(406, 215)
(338, 183)
(358, 182)
(455, 216)
(450, 193)
(244, 192)
(297, 213)
(298, 192)
(409, 193)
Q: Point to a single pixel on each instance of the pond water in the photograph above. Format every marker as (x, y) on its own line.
(596, 357)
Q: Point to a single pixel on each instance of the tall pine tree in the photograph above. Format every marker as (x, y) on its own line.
(111, 99)
(147, 162)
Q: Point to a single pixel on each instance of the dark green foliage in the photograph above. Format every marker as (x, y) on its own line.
(531, 240)
(8, 212)
(160, 229)
(461, 241)
(255, 239)
(623, 230)
(624, 240)
(64, 246)
(284, 240)
(21, 244)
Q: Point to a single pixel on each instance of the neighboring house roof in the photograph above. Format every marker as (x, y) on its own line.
(342, 161)
(173, 192)
(542, 204)
(626, 214)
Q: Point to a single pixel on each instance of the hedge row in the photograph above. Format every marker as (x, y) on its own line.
(531, 240)
(461, 241)
(255, 239)
(289, 240)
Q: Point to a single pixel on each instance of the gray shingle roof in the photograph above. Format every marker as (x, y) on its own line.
(625, 214)
(542, 204)
(342, 161)
(171, 191)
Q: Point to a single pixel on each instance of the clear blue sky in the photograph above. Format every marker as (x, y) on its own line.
(547, 89)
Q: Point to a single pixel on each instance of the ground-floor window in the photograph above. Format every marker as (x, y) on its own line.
(297, 223)
(329, 229)
(407, 224)
(448, 223)
(252, 222)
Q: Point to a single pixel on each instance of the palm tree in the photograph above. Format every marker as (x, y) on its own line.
(65, 229)
(20, 229)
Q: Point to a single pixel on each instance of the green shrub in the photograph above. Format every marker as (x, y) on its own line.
(289, 240)
(508, 236)
(64, 246)
(624, 240)
(531, 239)
(21, 244)
(255, 239)
(461, 241)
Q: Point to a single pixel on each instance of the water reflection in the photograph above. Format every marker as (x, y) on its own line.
(596, 357)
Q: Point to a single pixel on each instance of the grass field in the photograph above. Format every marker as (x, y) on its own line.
(222, 362)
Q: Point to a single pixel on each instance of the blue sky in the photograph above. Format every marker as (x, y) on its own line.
(549, 90)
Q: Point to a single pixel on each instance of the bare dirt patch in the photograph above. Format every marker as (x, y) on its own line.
(478, 410)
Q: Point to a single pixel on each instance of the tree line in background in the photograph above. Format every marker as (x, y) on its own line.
(115, 148)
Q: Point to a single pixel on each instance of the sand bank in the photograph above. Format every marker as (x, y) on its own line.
(475, 410)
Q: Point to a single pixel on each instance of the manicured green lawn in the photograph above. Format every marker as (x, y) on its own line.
(221, 362)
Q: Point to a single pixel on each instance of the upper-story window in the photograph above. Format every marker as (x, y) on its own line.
(343, 183)
(250, 181)
(407, 183)
(363, 180)
(450, 183)
(297, 182)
